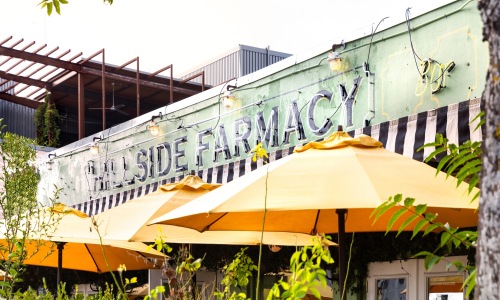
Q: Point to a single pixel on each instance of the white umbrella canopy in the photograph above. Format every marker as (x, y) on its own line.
(305, 189)
(128, 221)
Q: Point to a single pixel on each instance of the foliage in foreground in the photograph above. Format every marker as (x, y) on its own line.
(50, 5)
(236, 275)
(24, 221)
(464, 162)
(307, 268)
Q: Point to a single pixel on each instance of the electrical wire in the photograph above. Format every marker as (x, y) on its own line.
(373, 33)
(415, 55)
(218, 119)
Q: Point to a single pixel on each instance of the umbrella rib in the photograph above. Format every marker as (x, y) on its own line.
(314, 230)
(92, 256)
(216, 220)
(147, 258)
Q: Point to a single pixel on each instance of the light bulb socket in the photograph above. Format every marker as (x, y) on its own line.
(94, 148)
(335, 61)
(228, 99)
(154, 128)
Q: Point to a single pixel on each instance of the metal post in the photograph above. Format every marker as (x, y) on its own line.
(60, 247)
(342, 255)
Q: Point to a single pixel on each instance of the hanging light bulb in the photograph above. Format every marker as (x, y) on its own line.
(50, 162)
(335, 61)
(228, 99)
(154, 128)
(94, 148)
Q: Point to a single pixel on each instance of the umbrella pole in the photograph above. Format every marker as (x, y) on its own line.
(342, 255)
(60, 247)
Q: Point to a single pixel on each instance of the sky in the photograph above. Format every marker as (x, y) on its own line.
(189, 33)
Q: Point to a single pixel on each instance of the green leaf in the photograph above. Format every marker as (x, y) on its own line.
(406, 223)
(56, 5)
(409, 202)
(394, 218)
(423, 253)
(285, 285)
(430, 228)
(382, 209)
(420, 209)
(445, 237)
(63, 1)
(434, 154)
(443, 162)
(49, 9)
(431, 260)
(470, 282)
(315, 293)
(419, 227)
(430, 216)
(301, 294)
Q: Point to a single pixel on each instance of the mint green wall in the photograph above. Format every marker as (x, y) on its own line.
(451, 33)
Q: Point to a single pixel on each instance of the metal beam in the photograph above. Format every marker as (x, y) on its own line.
(142, 82)
(40, 59)
(81, 107)
(26, 80)
(20, 100)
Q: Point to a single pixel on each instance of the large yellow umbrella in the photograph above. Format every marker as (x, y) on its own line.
(305, 191)
(128, 221)
(88, 254)
(81, 252)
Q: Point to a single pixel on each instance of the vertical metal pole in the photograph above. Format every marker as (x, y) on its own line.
(103, 70)
(202, 81)
(171, 84)
(81, 107)
(60, 247)
(137, 89)
(342, 255)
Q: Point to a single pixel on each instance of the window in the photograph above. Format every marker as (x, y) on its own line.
(391, 289)
(447, 287)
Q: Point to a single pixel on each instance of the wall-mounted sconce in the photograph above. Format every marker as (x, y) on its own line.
(50, 163)
(228, 97)
(153, 127)
(334, 58)
(94, 147)
(274, 248)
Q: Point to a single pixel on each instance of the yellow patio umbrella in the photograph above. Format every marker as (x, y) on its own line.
(128, 221)
(82, 252)
(306, 191)
(88, 255)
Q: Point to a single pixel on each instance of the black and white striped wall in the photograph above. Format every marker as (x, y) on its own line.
(404, 136)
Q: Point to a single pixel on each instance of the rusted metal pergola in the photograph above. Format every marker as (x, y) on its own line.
(84, 88)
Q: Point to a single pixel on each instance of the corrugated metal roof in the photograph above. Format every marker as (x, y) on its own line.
(238, 62)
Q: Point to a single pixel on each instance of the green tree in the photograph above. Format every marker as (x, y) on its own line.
(22, 225)
(46, 123)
